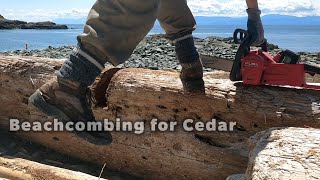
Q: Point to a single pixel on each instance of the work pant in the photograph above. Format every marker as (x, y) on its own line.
(115, 27)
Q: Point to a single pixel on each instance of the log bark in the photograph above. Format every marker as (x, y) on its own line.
(21, 169)
(285, 153)
(141, 95)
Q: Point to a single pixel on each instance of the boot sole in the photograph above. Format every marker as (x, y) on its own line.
(39, 102)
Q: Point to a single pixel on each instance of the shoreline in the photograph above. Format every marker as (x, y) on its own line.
(156, 52)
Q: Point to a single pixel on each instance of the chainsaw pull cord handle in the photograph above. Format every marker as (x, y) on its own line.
(242, 37)
(243, 34)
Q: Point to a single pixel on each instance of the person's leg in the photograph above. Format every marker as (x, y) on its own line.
(177, 20)
(112, 31)
(115, 27)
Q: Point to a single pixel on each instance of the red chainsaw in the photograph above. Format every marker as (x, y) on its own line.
(258, 67)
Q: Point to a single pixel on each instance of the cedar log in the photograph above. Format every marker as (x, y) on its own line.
(21, 169)
(141, 95)
(285, 153)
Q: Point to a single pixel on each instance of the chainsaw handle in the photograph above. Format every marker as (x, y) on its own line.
(243, 34)
(244, 49)
(242, 37)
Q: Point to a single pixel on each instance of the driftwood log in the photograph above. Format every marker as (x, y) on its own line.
(285, 153)
(142, 95)
(21, 169)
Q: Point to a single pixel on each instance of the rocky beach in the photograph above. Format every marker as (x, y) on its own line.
(155, 52)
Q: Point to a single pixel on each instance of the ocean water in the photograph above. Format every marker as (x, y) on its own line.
(296, 38)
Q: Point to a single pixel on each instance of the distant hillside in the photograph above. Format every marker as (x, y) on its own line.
(267, 20)
(17, 24)
(210, 20)
(290, 20)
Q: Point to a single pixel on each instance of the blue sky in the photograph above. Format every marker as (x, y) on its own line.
(40, 10)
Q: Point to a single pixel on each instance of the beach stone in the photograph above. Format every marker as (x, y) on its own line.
(272, 47)
(156, 52)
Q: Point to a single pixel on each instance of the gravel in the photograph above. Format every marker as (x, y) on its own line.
(155, 52)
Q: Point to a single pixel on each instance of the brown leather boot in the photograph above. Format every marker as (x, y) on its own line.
(68, 101)
(192, 77)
